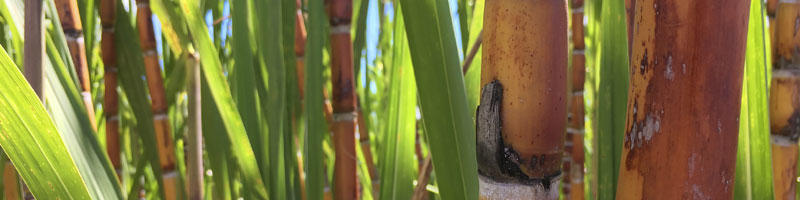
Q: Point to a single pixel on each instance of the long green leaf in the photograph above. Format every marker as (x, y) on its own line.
(472, 79)
(66, 108)
(272, 71)
(753, 160)
(611, 95)
(213, 74)
(443, 98)
(398, 166)
(31, 141)
(314, 166)
(130, 75)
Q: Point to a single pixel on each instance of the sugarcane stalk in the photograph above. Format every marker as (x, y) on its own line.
(33, 55)
(34, 46)
(73, 31)
(110, 99)
(684, 100)
(344, 99)
(523, 110)
(573, 146)
(11, 187)
(194, 160)
(155, 83)
(784, 97)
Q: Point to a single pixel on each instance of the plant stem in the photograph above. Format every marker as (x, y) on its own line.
(155, 83)
(195, 143)
(684, 100)
(71, 22)
(111, 99)
(344, 99)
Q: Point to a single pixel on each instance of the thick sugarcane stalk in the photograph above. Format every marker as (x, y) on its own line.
(523, 110)
(73, 31)
(682, 121)
(784, 98)
(111, 99)
(155, 83)
(344, 99)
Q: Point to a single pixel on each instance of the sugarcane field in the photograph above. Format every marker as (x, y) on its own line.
(399, 99)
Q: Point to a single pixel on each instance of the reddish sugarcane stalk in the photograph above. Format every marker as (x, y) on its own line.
(682, 122)
(784, 98)
(111, 99)
(344, 99)
(73, 31)
(155, 83)
(573, 146)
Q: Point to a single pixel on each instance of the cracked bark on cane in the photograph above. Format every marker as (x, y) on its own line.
(683, 105)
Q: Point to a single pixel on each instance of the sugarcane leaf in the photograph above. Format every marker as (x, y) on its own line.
(212, 72)
(317, 128)
(65, 106)
(272, 72)
(472, 79)
(215, 143)
(31, 140)
(753, 159)
(611, 80)
(443, 99)
(398, 168)
(131, 73)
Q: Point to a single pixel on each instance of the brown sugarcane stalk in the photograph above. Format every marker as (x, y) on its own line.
(155, 84)
(11, 187)
(682, 122)
(523, 111)
(344, 99)
(111, 99)
(784, 98)
(573, 146)
(73, 31)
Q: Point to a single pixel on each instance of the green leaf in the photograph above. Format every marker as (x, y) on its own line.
(131, 73)
(245, 74)
(472, 79)
(753, 159)
(64, 103)
(218, 86)
(216, 144)
(398, 168)
(272, 71)
(317, 129)
(611, 92)
(31, 141)
(443, 100)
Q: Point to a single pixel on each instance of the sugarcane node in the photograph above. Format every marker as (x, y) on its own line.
(497, 160)
(792, 128)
